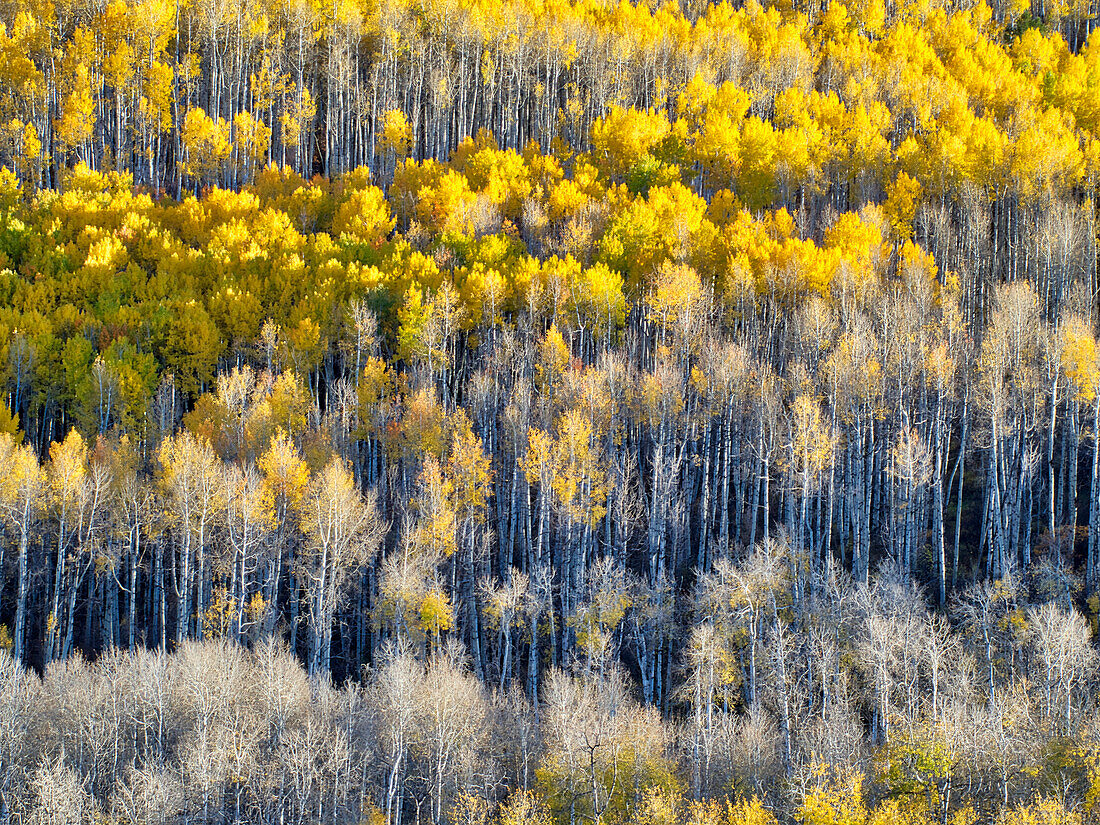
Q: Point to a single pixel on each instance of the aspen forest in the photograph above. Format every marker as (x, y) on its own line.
(561, 412)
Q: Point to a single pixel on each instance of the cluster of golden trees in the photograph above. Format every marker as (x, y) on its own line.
(784, 105)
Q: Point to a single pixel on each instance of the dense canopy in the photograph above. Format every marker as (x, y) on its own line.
(575, 412)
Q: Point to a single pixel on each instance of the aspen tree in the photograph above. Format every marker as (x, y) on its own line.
(21, 494)
(191, 482)
(342, 531)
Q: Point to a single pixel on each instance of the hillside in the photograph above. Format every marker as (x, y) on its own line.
(571, 412)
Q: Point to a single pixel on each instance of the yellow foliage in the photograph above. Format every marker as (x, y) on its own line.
(739, 811)
(421, 428)
(396, 134)
(364, 216)
(9, 422)
(77, 123)
(469, 467)
(252, 138)
(285, 473)
(901, 205)
(860, 244)
(580, 478)
(750, 812)
(659, 806)
(206, 144)
(1079, 357)
(554, 358)
(469, 809)
(436, 523)
(1043, 811)
(623, 137)
(435, 613)
(21, 482)
(68, 468)
(524, 808)
(218, 617)
(835, 797)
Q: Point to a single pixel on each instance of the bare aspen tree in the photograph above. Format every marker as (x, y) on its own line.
(1061, 645)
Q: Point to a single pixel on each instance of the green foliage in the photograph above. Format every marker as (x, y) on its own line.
(1066, 769)
(917, 765)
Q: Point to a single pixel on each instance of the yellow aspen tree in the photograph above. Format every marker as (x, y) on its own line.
(470, 471)
(251, 142)
(22, 485)
(66, 474)
(206, 146)
(286, 478)
(342, 529)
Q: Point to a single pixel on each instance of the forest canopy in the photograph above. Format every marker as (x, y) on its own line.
(578, 412)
